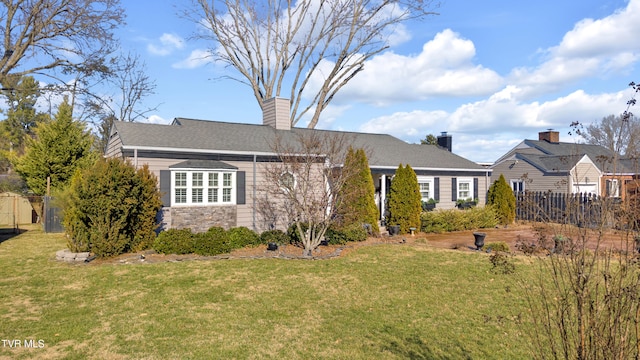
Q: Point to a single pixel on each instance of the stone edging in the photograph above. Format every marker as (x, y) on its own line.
(68, 256)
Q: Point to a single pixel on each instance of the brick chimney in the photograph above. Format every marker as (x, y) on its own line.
(444, 141)
(277, 113)
(549, 136)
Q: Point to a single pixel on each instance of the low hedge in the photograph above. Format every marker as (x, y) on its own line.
(343, 235)
(274, 236)
(174, 241)
(440, 221)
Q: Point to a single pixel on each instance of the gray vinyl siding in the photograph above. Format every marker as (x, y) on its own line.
(114, 148)
(535, 180)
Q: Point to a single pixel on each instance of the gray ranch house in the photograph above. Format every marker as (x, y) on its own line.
(209, 172)
(547, 164)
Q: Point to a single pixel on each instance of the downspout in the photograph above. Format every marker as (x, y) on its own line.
(135, 158)
(253, 211)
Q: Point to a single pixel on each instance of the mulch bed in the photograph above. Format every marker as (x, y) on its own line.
(459, 241)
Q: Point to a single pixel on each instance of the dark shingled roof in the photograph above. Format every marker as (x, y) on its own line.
(565, 154)
(214, 136)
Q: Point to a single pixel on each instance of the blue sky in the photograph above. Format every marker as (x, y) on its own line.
(491, 73)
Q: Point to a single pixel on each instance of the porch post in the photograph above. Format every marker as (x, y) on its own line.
(383, 194)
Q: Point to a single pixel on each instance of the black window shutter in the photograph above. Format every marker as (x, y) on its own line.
(165, 187)
(454, 189)
(436, 189)
(241, 191)
(475, 188)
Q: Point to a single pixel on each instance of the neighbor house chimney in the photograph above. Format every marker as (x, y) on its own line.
(444, 141)
(549, 136)
(276, 113)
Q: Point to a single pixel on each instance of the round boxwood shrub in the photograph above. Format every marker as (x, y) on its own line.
(174, 241)
(240, 237)
(274, 236)
(340, 236)
(213, 242)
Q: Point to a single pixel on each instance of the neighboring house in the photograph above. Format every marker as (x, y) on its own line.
(547, 164)
(209, 172)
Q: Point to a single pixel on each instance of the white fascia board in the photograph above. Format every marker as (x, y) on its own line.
(487, 170)
(203, 169)
(201, 151)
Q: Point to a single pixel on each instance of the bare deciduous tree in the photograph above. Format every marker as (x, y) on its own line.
(303, 183)
(308, 49)
(585, 302)
(617, 133)
(59, 35)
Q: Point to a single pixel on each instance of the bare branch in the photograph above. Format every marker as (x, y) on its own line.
(277, 45)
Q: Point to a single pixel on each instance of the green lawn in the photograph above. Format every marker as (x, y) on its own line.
(379, 302)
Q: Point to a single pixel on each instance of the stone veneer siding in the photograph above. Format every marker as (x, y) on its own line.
(201, 218)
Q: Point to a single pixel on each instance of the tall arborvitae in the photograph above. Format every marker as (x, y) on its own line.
(405, 201)
(357, 202)
(502, 199)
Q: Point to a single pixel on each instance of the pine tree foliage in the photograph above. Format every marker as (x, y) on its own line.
(357, 196)
(502, 199)
(405, 201)
(112, 209)
(59, 148)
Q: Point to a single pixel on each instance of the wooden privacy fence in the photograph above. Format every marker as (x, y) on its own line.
(16, 209)
(580, 209)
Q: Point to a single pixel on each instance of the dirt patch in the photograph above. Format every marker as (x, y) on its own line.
(458, 240)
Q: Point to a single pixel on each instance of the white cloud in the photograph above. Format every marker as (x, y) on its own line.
(196, 59)
(592, 47)
(168, 44)
(155, 119)
(444, 68)
(501, 114)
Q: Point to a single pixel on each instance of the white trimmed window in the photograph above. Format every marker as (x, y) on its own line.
(426, 188)
(613, 188)
(465, 189)
(203, 187)
(517, 185)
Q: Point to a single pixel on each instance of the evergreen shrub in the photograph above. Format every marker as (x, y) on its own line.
(405, 200)
(503, 200)
(274, 236)
(214, 241)
(174, 241)
(111, 209)
(342, 235)
(440, 221)
(356, 205)
(240, 237)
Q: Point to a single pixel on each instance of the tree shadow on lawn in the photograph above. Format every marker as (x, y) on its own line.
(413, 347)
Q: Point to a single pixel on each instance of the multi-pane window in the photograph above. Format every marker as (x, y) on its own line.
(226, 187)
(465, 189)
(180, 188)
(196, 187)
(203, 187)
(426, 188)
(517, 185)
(213, 187)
